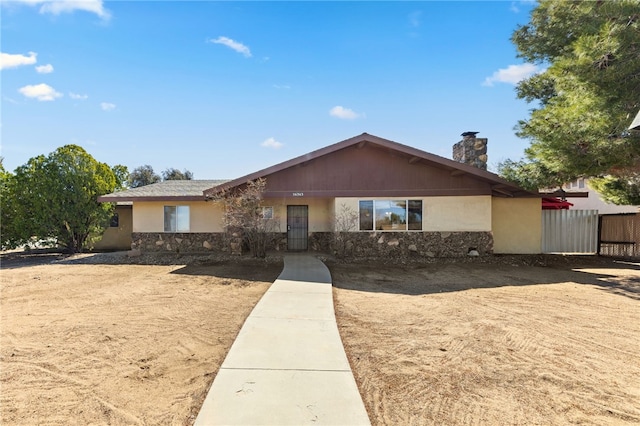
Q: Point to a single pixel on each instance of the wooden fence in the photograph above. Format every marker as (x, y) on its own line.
(619, 235)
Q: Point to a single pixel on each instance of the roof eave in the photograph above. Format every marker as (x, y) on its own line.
(112, 199)
(363, 139)
(565, 194)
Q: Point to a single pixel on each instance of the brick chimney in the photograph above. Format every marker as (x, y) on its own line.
(471, 150)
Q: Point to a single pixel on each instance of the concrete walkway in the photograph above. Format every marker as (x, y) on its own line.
(287, 366)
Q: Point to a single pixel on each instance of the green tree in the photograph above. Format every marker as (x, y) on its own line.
(55, 197)
(175, 174)
(585, 99)
(143, 175)
(122, 176)
(532, 175)
(619, 191)
(7, 208)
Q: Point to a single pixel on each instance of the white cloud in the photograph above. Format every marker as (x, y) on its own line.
(232, 44)
(44, 69)
(513, 74)
(107, 106)
(344, 113)
(56, 7)
(78, 96)
(41, 92)
(282, 86)
(272, 143)
(7, 60)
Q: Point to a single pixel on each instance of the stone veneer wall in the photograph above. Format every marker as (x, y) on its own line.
(471, 150)
(318, 241)
(412, 244)
(397, 245)
(148, 242)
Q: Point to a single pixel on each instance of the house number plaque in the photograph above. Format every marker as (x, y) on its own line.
(298, 194)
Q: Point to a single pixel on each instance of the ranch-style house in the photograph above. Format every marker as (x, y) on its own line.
(406, 202)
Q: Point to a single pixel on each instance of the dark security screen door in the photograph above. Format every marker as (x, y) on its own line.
(297, 227)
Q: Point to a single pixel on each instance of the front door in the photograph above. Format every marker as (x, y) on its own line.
(297, 227)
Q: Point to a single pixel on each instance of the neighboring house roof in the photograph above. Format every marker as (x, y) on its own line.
(340, 168)
(552, 203)
(178, 190)
(594, 201)
(561, 193)
(583, 197)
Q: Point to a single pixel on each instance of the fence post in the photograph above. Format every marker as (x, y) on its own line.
(599, 234)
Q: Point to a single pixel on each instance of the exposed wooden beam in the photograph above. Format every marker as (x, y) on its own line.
(362, 144)
(414, 160)
(499, 190)
(456, 173)
(566, 194)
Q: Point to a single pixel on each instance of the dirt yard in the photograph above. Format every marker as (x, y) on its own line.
(86, 343)
(110, 340)
(547, 341)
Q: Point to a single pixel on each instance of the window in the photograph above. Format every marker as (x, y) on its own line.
(415, 215)
(115, 221)
(176, 218)
(579, 184)
(366, 215)
(267, 212)
(390, 215)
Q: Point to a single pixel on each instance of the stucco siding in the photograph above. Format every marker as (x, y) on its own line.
(514, 222)
(148, 216)
(517, 225)
(117, 238)
(207, 216)
(457, 214)
(320, 211)
(347, 203)
(444, 214)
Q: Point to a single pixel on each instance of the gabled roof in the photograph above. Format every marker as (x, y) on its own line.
(499, 186)
(178, 190)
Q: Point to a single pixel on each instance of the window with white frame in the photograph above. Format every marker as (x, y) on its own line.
(176, 218)
(390, 215)
(576, 184)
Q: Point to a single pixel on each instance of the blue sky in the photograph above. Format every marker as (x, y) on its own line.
(227, 88)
